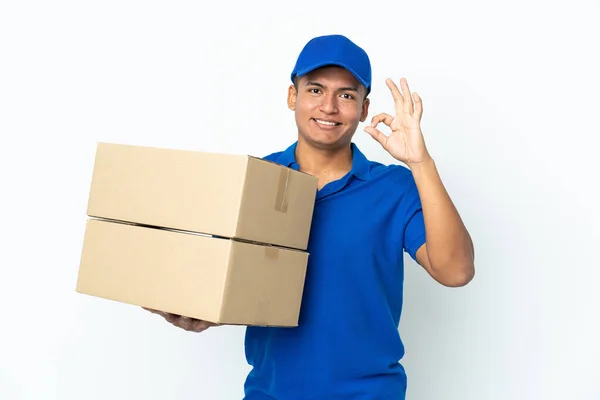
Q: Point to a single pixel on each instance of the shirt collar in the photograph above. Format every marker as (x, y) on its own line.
(361, 167)
(288, 157)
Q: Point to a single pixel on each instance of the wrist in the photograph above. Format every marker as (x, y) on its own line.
(424, 166)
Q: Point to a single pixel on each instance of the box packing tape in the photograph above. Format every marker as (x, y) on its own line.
(281, 201)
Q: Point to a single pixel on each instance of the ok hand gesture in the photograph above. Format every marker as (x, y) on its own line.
(405, 143)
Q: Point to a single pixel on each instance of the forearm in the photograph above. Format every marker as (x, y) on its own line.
(449, 246)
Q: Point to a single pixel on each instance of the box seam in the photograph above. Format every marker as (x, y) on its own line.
(242, 197)
(224, 296)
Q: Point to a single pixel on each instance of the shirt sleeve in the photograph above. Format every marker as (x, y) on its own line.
(414, 226)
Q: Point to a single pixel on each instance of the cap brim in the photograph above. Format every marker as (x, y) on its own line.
(332, 63)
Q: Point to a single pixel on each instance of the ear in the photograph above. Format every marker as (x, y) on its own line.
(365, 110)
(291, 100)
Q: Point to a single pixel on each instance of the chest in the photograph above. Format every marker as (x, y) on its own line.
(355, 248)
(359, 223)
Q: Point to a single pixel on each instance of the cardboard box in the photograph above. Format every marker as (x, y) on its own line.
(213, 279)
(233, 196)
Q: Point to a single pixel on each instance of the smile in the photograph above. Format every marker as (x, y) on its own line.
(326, 123)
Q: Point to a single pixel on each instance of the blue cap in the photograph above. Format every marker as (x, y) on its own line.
(334, 50)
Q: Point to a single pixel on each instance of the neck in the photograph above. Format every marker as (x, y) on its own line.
(333, 163)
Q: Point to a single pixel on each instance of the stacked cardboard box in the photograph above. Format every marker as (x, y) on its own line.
(217, 237)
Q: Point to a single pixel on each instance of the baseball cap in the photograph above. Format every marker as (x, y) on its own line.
(334, 50)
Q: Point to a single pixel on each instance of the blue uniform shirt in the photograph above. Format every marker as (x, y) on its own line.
(347, 343)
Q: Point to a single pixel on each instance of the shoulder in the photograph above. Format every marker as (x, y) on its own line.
(392, 173)
(283, 156)
(398, 184)
(273, 156)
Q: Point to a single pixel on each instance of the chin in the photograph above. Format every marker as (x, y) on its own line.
(327, 141)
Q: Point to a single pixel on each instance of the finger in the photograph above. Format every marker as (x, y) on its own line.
(398, 99)
(407, 98)
(172, 318)
(418, 106)
(383, 117)
(193, 324)
(377, 135)
(158, 312)
(200, 326)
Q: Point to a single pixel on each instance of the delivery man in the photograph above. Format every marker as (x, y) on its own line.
(366, 216)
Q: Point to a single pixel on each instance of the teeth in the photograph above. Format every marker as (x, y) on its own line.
(326, 122)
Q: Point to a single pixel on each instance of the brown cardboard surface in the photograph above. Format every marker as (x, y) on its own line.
(218, 280)
(234, 196)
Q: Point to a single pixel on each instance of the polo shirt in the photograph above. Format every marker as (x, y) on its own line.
(347, 344)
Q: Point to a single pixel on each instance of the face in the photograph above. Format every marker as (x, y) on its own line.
(329, 103)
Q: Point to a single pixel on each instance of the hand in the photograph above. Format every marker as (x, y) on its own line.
(186, 323)
(405, 143)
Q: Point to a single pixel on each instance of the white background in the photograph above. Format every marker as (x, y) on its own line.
(511, 94)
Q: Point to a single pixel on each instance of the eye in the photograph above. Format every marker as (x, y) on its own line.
(313, 90)
(347, 96)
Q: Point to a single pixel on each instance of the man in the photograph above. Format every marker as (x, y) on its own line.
(366, 216)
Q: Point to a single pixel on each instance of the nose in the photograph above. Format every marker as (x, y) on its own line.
(329, 104)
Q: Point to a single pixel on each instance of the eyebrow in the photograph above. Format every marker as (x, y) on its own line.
(347, 88)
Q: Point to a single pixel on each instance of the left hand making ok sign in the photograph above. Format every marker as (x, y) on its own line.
(405, 143)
